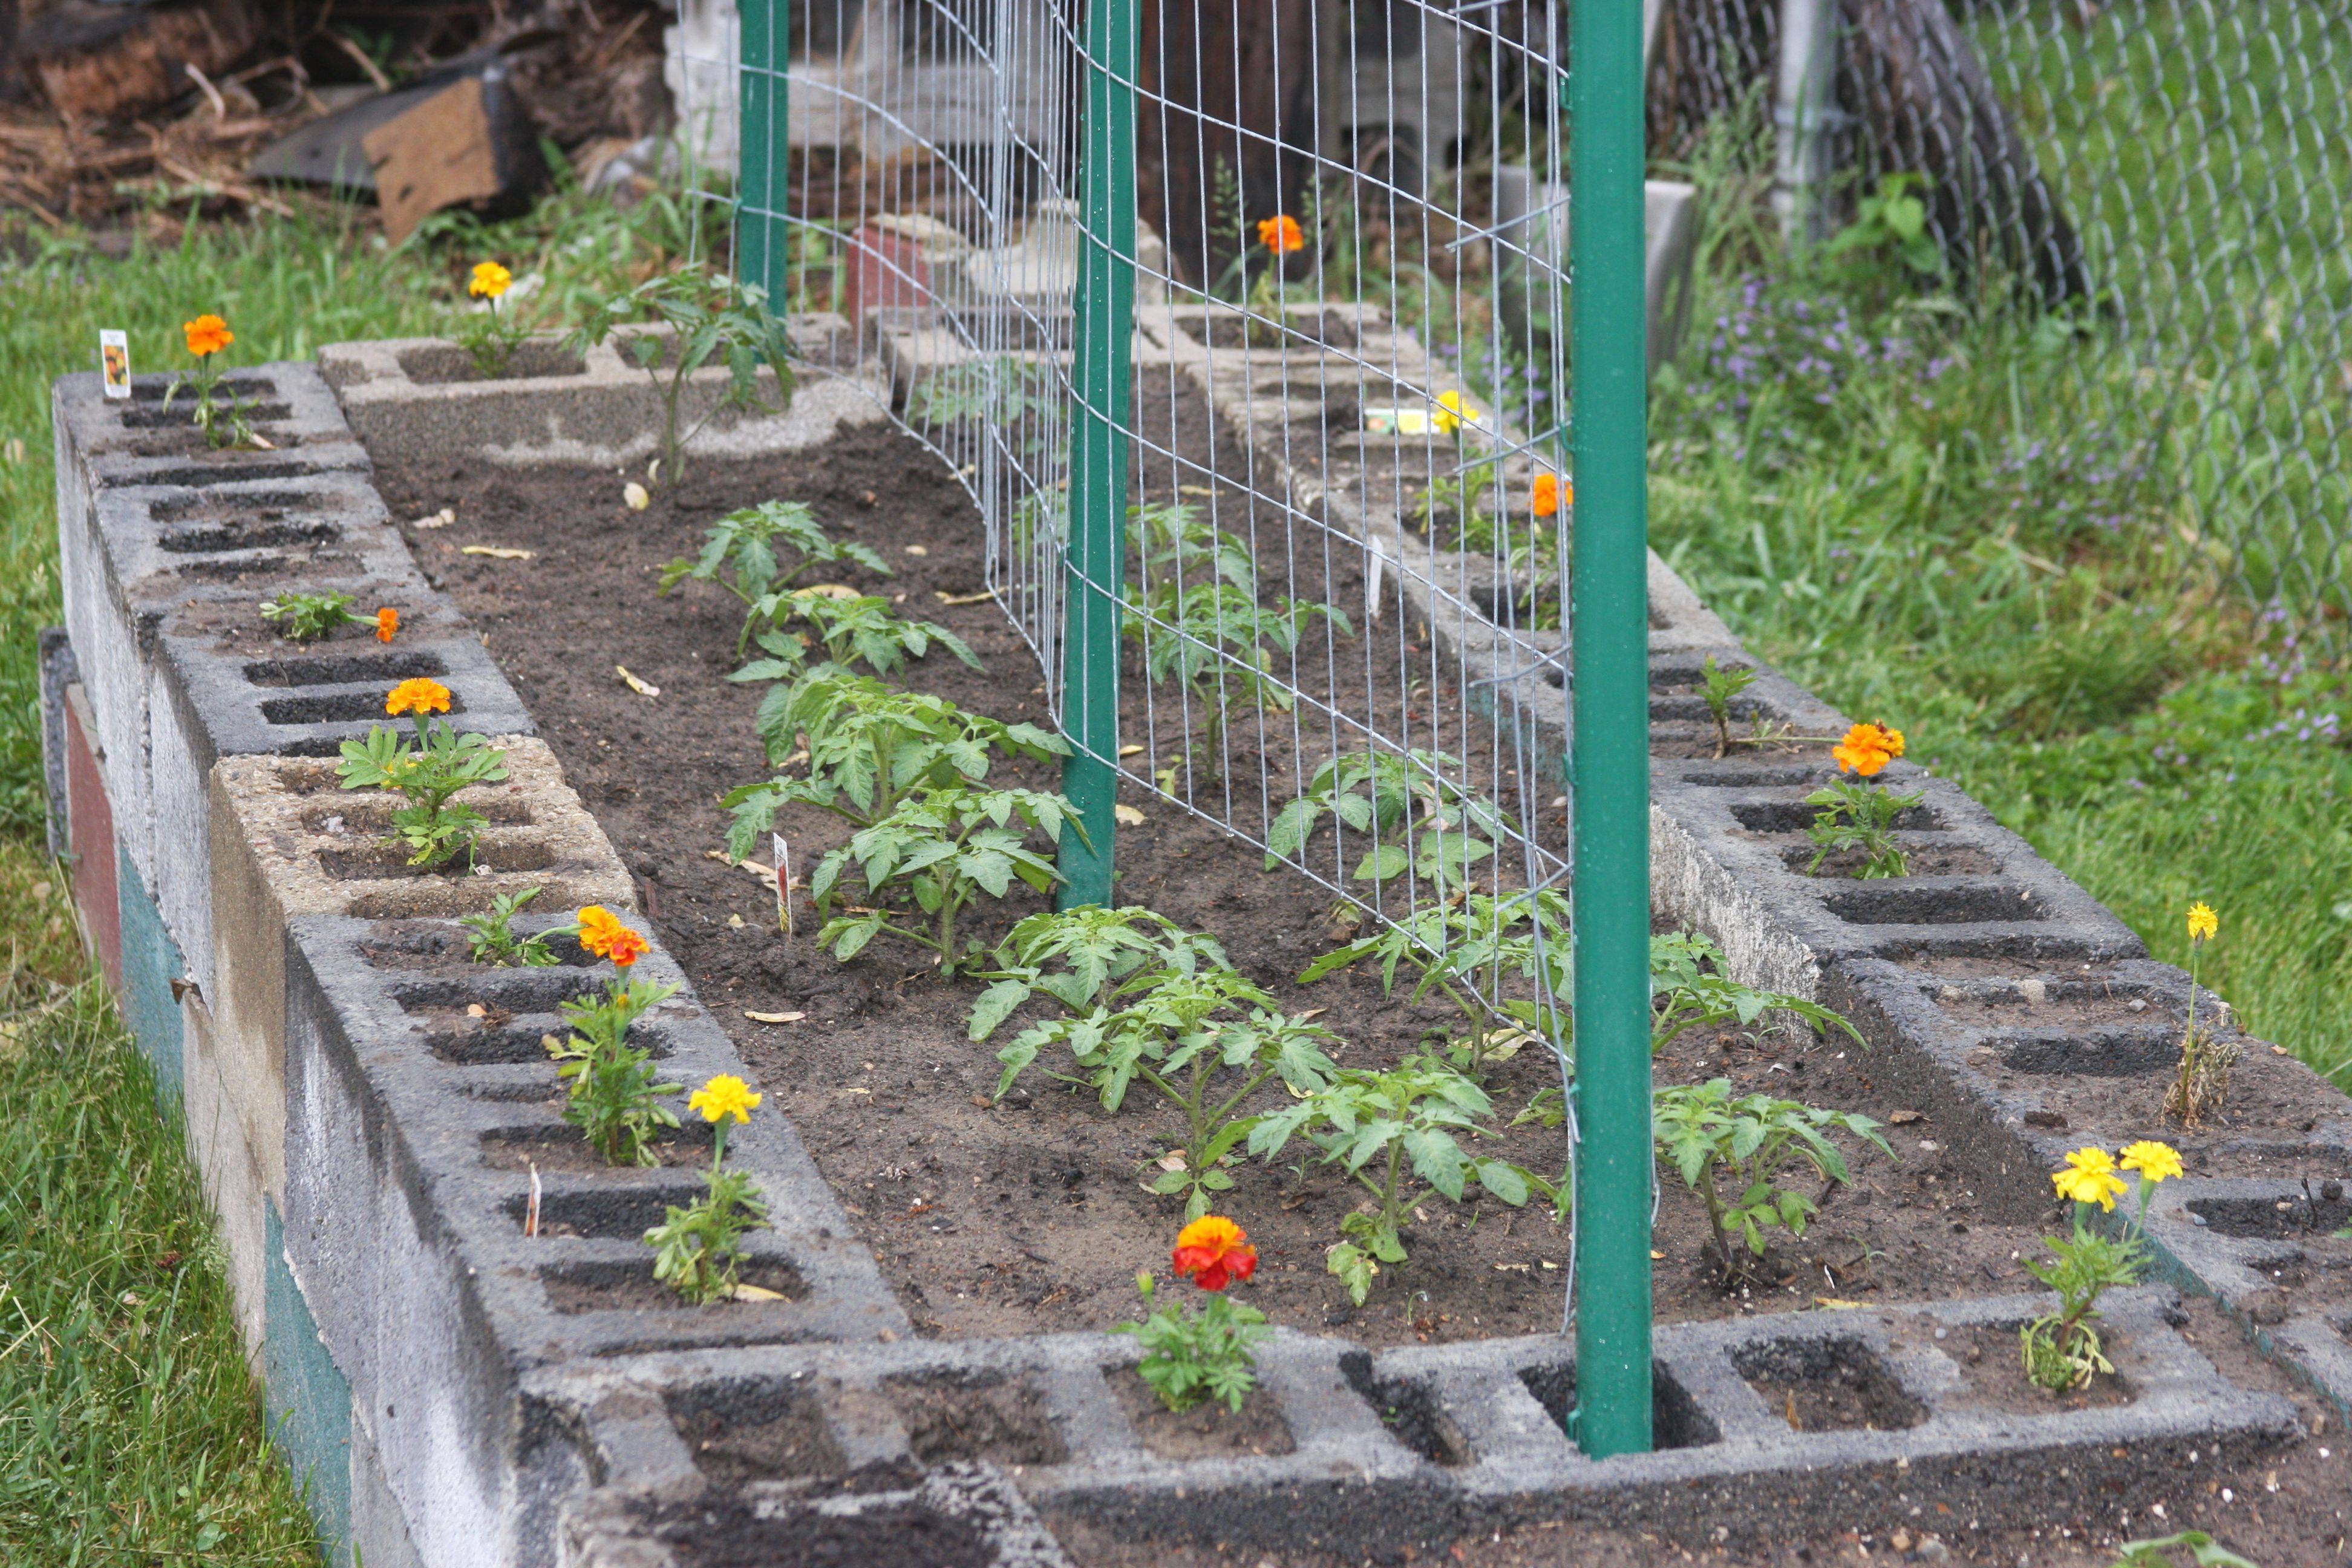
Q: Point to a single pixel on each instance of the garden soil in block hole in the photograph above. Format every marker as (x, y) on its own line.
(1032, 1215)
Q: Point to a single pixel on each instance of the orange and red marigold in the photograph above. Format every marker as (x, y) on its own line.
(208, 334)
(1281, 234)
(1867, 748)
(602, 935)
(1212, 1252)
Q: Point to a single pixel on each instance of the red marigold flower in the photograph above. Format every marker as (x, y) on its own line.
(387, 623)
(626, 947)
(1212, 1252)
(1281, 234)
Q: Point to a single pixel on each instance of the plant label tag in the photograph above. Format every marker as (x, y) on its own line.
(1397, 421)
(114, 363)
(783, 852)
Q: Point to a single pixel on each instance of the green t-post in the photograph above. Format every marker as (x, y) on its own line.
(1095, 567)
(1609, 747)
(763, 135)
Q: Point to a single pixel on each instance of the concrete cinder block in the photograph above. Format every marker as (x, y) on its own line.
(58, 671)
(140, 554)
(96, 859)
(231, 1173)
(306, 1395)
(436, 1304)
(415, 399)
(153, 974)
(223, 685)
(285, 841)
(139, 440)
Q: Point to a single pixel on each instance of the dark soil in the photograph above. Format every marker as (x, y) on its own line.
(787, 1442)
(1032, 1215)
(1992, 1359)
(748, 1534)
(1002, 1422)
(1833, 1387)
(1208, 1431)
(631, 1287)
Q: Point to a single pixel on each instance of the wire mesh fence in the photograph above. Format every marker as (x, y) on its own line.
(1344, 510)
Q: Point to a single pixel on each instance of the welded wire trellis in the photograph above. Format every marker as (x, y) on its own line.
(1347, 387)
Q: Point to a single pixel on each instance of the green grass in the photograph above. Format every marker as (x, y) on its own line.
(129, 1431)
(1976, 527)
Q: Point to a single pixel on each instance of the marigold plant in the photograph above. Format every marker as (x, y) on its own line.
(492, 332)
(491, 939)
(306, 617)
(1857, 814)
(387, 623)
(2061, 1349)
(2207, 1060)
(1192, 1356)
(1549, 494)
(615, 1093)
(698, 1249)
(433, 827)
(224, 424)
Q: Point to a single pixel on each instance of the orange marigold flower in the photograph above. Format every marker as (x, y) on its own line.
(1551, 493)
(208, 334)
(387, 623)
(1867, 748)
(1281, 234)
(1212, 1252)
(417, 696)
(602, 935)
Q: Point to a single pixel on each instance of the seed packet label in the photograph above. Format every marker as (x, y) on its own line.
(114, 363)
(784, 881)
(1396, 421)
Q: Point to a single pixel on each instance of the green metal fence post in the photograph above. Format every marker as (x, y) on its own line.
(1610, 752)
(763, 164)
(1095, 567)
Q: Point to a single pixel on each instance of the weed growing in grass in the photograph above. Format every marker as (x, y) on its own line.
(434, 827)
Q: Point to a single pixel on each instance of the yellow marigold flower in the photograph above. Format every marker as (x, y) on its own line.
(208, 334)
(2202, 921)
(723, 1097)
(2155, 1161)
(2090, 1178)
(417, 696)
(1452, 413)
(1281, 234)
(490, 280)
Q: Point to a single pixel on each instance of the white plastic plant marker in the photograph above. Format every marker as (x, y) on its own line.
(784, 881)
(114, 363)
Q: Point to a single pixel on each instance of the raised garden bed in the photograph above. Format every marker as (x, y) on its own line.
(1029, 1215)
